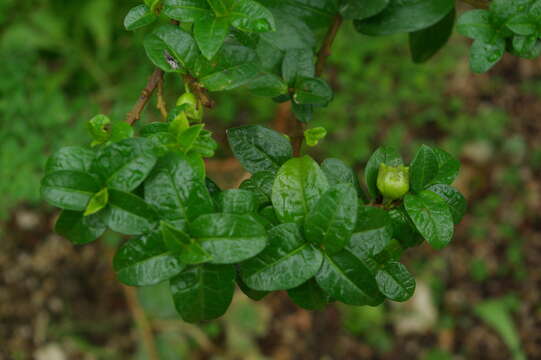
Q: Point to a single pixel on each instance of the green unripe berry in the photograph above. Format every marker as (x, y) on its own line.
(194, 108)
(393, 181)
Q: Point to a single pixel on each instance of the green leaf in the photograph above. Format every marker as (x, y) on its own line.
(291, 33)
(251, 16)
(297, 188)
(501, 11)
(203, 292)
(314, 135)
(405, 16)
(138, 17)
(309, 296)
(303, 113)
(338, 172)
(523, 24)
(69, 190)
(395, 282)
(189, 251)
(251, 293)
(260, 184)
(186, 10)
(385, 155)
(431, 216)
(145, 260)
(230, 238)
(423, 168)
(403, 229)
(346, 278)
(373, 230)
(318, 14)
(238, 201)
(232, 77)
(454, 199)
(80, 229)
(527, 47)
(484, 55)
(448, 167)
(355, 9)
(331, 221)
(286, 262)
(97, 127)
(220, 7)
(312, 91)
(129, 214)
(259, 148)
(476, 24)
(171, 48)
(298, 63)
(267, 84)
(120, 130)
(74, 158)
(427, 42)
(210, 34)
(97, 202)
(186, 139)
(126, 164)
(176, 188)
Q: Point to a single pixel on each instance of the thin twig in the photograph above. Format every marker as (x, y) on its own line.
(296, 132)
(161, 105)
(479, 4)
(139, 316)
(146, 93)
(198, 90)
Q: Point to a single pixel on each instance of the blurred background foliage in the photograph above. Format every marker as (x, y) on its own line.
(62, 62)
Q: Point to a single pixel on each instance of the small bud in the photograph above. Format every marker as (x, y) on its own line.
(194, 110)
(393, 181)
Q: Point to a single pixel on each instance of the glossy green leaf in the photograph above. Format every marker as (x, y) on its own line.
(403, 229)
(312, 91)
(338, 172)
(176, 188)
(230, 238)
(297, 188)
(431, 216)
(332, 220)
(80, 229)
(145, 260)
(120, 130)
(523, 24)
(97, 202)
(291, 33)
(454, 199)
(309, 296)
(347, 279)
(501, 11)
(270, 215)
(260, 184)
(312, 136)
(186, 139)
(251, 16)
(186, 10)
(527, 47)
(69, 190)
(203, 292)
(373, 230)
(251, 293)
(385, 155)
(355, 9)
(395, 282)
(423, 168)
(484, 55)
(129, 214)
(238, 201)
(138, 17)
(210, 34)
(232, 77)
(405, 16)
(427, 42)
(259, 148)
(476, 24)
(171, 48)
(266, 84)
(182, 245)
(126, 164)
(298, 63)
(318, 14)
(286, 262)
(76, 158)
(448, 167)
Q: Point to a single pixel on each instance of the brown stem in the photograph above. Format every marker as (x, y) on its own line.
(325, 49)
(146, 93)
(199, 91)
(295, 128)
(161, 104)
(479, 4)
